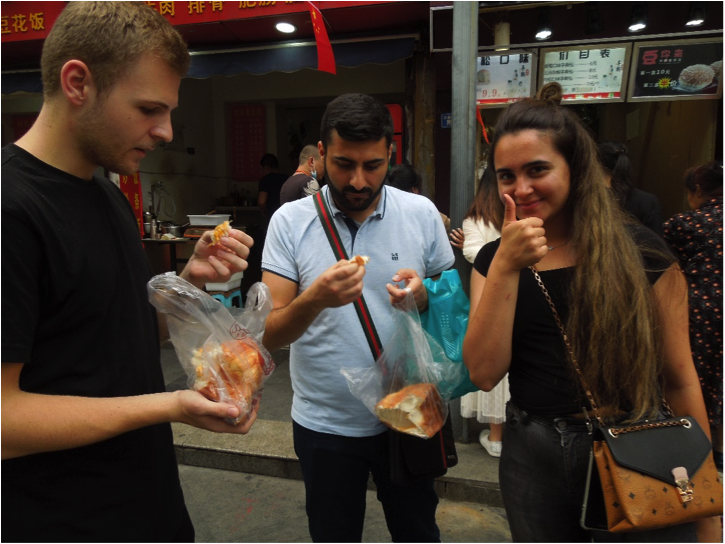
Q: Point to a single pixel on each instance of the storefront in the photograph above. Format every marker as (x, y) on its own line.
(625, 85)
(250, 90)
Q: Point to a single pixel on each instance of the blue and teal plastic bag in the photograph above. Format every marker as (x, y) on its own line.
(446, 320)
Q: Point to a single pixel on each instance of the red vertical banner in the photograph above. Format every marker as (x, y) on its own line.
(325, 56)
(131, 187)
(247, 140)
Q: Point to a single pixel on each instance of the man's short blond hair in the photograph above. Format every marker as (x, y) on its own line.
(109, 37)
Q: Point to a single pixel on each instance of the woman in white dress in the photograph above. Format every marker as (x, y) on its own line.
(480, 226)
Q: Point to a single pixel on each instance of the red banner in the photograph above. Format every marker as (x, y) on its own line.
(28, 20)
(33, 20)
(325, 56)
(131, 187)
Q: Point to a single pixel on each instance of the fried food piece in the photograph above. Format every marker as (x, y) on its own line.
(361, 260)
(416, 409)
(220, 231)
(232, 372)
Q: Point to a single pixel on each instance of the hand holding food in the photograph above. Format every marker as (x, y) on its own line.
(232, 372)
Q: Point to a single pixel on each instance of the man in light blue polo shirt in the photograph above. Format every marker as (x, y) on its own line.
(338, 441)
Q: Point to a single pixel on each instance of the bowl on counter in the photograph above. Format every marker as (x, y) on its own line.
(169, 227)
(211, 220)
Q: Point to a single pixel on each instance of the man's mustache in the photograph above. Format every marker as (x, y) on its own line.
(363, 191)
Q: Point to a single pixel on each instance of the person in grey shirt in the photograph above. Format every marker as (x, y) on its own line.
(304, 182)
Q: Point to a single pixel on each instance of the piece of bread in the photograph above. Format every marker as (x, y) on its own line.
(220, 231)
(416, 409)
(232, 372)
(361, 260)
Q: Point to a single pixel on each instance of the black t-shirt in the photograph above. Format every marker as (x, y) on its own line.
(75, 312)
(298, 186)
(541, 380)
(272, 184)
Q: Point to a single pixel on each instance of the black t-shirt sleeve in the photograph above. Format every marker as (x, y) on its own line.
(482, 262)
(656, 254)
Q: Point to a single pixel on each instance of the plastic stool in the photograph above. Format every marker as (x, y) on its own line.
(227, 297)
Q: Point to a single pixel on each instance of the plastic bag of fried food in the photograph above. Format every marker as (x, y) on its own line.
(220, 349)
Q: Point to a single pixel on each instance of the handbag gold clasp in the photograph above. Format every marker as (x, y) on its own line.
(683, 484)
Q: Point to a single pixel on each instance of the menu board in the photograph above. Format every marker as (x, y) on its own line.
(677, 70)
(505, 77)
(587, 73)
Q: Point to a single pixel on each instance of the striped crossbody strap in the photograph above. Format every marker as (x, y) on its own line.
(366, 320)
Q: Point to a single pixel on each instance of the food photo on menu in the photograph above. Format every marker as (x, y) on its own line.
(679, 69)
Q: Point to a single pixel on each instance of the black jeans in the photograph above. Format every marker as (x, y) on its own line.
(336, 470)
(543, 473)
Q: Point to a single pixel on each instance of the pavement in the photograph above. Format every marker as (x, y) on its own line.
(249, 488)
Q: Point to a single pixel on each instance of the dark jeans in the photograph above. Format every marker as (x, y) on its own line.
(336, 470)
(543, 473)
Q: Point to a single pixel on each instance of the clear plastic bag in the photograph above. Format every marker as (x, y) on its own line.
(221, 353)
(409, 386)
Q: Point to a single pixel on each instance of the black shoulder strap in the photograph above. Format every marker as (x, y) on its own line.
(366, 320)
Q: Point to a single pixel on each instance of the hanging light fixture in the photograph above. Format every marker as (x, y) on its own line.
(638, 17)
(696, 14)
(543, 25)
(594, 19)
(502, 36)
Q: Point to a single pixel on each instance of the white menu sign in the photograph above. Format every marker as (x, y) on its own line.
(588, 74)
(504, 77)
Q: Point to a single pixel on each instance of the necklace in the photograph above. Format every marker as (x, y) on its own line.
(552, 248)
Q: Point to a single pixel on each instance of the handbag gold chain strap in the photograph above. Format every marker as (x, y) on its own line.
(595, 407)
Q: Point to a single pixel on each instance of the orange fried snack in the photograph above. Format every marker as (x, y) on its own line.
(416, 409)
(230, 373)
(220, 231)
(361, 260)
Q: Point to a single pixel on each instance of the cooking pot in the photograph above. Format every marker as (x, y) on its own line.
(169, 227)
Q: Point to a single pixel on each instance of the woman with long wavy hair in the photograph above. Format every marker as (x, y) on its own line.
(623, 302)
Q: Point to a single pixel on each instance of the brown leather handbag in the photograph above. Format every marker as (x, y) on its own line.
(647, 475)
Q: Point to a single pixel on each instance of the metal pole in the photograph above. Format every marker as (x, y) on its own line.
(463, 133)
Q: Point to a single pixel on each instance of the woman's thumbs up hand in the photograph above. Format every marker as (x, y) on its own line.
(523, 243)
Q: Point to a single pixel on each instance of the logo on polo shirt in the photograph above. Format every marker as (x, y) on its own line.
(394, 256)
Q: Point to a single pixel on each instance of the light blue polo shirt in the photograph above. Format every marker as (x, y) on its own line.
(405, 231)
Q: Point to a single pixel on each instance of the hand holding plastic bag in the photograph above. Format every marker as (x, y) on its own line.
(222, 354)
(409, 385)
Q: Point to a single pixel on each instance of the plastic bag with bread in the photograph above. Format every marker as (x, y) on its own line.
(402, 388)
(220, 349)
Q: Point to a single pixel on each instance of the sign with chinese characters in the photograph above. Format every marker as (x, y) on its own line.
(22, 21)
(587, 73)
(504, 77)
(247, 140)
(677, 70)
(131, 188)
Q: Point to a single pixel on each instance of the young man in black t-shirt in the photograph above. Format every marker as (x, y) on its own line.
(86, 442)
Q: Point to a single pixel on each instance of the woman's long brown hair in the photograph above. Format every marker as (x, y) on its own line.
(612, 324)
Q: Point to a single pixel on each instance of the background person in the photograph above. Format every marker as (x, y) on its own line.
(696, 238)
(406, 178)
(644, 207)
(560, 219)
(305, 181)
(338, 441)
(270, 185)
(481, 225)
(87, 449)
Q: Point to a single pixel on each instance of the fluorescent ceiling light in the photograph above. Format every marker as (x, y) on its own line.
(286, 28)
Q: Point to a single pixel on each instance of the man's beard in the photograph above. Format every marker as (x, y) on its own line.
(353, 205)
